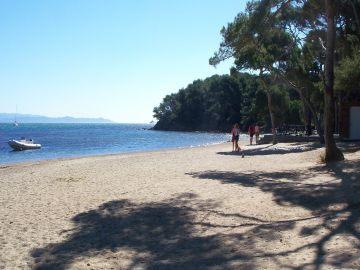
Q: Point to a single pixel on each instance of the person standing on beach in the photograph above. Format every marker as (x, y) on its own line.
(237, 133)
(233, 132)
(257, 133)
(251, 132)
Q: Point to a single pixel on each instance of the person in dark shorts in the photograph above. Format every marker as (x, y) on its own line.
(237, 133)
(233, 132)
(251, 133)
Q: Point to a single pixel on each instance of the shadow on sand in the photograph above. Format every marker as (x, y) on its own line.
(170, 235)
(290, 188)
(164, 236)
(273, 150)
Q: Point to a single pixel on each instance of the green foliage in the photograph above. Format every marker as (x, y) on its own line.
(295, 112)
(280, 100)
(216, 103)
(287, 40)
(347, 75)
(280, 39)
(212, 104)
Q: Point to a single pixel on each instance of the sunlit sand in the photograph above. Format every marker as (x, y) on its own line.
(198, 208)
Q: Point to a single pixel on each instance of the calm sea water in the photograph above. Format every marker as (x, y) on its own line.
(76, 140)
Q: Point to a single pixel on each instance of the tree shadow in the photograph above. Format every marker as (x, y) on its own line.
(274, 149)
(186, 232)
(336, 202)
(349, 147)
(164, 235)
(171, 234)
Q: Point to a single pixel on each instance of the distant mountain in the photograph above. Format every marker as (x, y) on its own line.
(29, 118)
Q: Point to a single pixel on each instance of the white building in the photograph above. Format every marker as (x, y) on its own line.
(350, 121)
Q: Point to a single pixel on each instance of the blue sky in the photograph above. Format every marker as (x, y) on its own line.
(104, 58)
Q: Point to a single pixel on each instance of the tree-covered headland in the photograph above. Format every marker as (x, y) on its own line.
(216, 103)
(304, 60)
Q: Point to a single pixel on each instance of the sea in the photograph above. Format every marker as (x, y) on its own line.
(79, 140)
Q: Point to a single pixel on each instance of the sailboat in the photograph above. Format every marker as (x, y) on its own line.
(15, 124)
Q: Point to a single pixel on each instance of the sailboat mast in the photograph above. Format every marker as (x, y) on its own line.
(15, 122)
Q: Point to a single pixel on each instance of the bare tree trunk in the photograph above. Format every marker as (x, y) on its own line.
(332, 152)
(272, 118)
(271, 112)
(355, 15)
(306, 101)
(312, 110)
(308, 121)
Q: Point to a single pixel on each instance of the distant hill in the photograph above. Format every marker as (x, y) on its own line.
(29, 118)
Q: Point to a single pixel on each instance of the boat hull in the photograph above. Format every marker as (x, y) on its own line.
(20, 145)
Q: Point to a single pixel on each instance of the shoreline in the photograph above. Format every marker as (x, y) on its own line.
(6, 165)
(191, 208)
(131, 139)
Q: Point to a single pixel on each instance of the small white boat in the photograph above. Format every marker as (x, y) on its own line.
(23, 144)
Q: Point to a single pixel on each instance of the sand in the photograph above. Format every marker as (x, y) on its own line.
(198, 208)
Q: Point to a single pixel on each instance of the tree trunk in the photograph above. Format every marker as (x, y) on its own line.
(272, 118)
(306, 101)
(332, 152)
(308, 121)
(271, 113)
(355, 15)
(312, 110)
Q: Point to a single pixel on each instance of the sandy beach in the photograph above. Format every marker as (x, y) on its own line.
(198, 208)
